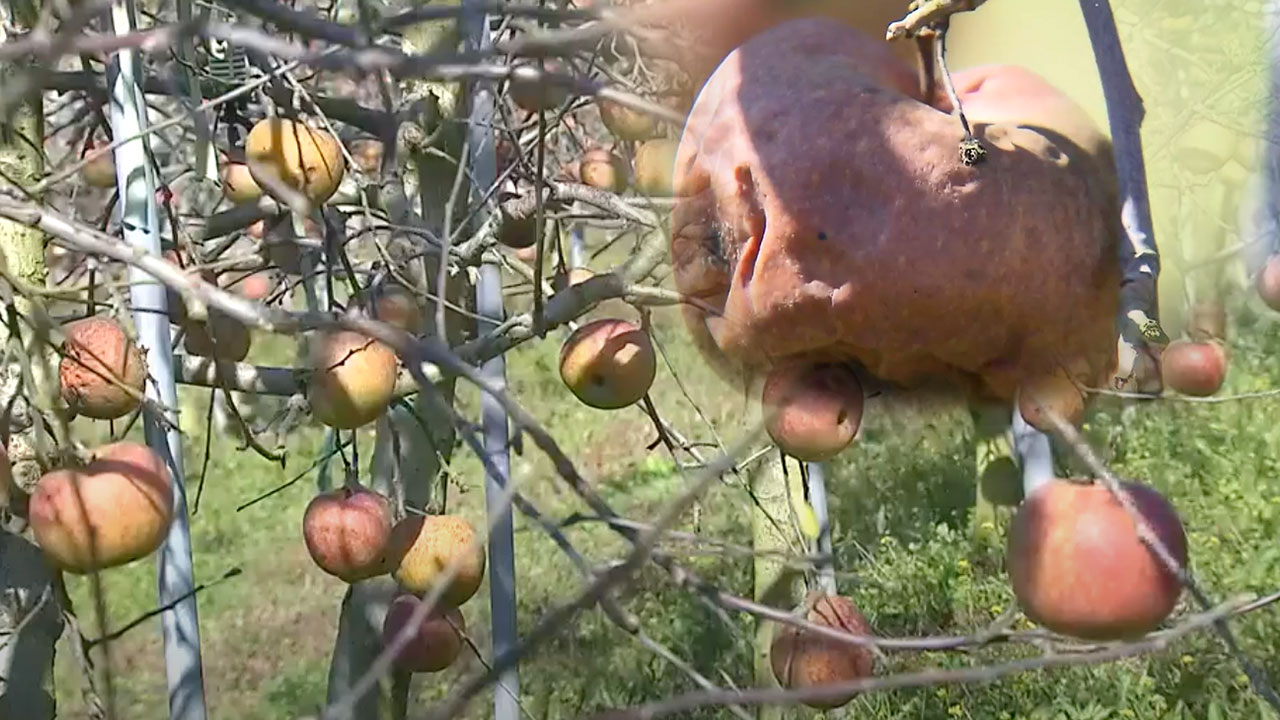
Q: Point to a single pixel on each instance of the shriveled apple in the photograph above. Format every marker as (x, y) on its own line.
(1268, 283)
(221, 337)
(102, 371)
(802, 659)
(435, 642)
(347, 530)
(1055, 393)
(353, 379)
(423, 547)
(608, 363)
(806, 250)
(304, 158)
(1078, 567)
(396, 305)
(238, 184)
(1194, 368)
(112, 511)
(812, 412)
(654, 164)
(601, 169)
(625, 123)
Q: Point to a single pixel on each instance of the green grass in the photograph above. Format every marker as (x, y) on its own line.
(900, 504)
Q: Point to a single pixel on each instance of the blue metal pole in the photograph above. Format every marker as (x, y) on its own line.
(502, 581)
(136, 181)
(818, 501)
(1035, 454)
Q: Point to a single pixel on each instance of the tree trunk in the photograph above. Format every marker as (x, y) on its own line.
(30, 619)
(776, 585)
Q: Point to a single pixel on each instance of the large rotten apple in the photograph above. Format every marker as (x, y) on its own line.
(824, 211)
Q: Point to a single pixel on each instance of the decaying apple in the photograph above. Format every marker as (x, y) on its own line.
(802, 659)
(102, 371)
(805, 251)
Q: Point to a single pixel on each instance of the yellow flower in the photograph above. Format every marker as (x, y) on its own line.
(1187, 659)
(955, 711)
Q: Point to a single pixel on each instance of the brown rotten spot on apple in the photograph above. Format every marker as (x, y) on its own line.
(824, 214)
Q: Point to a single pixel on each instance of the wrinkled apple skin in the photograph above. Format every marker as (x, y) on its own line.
(802, 659)
(877, 245)
(98, 358)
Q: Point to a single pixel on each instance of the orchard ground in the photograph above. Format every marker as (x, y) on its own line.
(901, 502)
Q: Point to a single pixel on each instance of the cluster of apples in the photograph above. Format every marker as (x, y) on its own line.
(116, 507)
(350, 534)
(641, 158)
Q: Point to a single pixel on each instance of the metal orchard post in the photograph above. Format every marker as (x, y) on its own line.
(818, 501)
(502, 581)
(136, 181)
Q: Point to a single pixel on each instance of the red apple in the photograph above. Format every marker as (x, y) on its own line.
(1268, 282)
(99, 361)
(111, 512)
(608, 363)
(436, 642)
(812, 411)
(1194, 368)
(346, 532)
(1078, 567)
